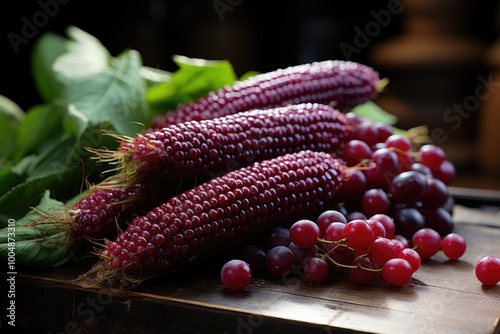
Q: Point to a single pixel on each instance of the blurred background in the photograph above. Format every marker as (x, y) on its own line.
(441, 57)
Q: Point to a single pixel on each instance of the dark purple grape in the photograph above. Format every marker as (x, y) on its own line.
(436, 194)
(255, 256)
(439, 220)
(408, 187)
(353, 186)
(280, 261)
(277, 236)
(408, 221)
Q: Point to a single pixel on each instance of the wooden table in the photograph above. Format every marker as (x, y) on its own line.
(443, 297)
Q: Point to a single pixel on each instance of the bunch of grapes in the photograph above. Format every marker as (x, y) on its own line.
(393, 210)
(391, 175)
(363, 249)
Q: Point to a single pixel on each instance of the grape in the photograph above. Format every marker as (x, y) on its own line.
(384, 166)
(397, 272)
(328, 217)
(439, 220)
(408, 187)
(375, 201)
(316, 270)
(340, 257)
(423, 169)
(436, 194)
(236, 274)
(335, 231)
(431, 156)
(355, 151)
(399, 142)
(453, 246)
(359, 234)
(388, 223)
(353, 185)
(367, 132)
(301, 254)
(277, 236)
(428, 242)
(280, 261)
(377, 227)
(384, 131)
(356, 215)
(412, 257)
(488, 270)
(255, 256)
(408, 221)
(404, 241)
(304, 233)
(446, 172)
(382, 250)
(361, 276)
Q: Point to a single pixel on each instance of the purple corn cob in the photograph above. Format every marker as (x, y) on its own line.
(342, 82)
(220, 213)
(223, 144)
(105, 209)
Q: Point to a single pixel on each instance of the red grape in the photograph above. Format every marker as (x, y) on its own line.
(359, 234)
(304, 233)
(316, 270)
(412, 257)
(432, 156)
(488, 270)
(375, 201)
(236, 275)
(428, 242)
(453, 246)
(361, 276)
(388, 223)
(328, 217)
(397, 272)
(355, 151)
(382, 250)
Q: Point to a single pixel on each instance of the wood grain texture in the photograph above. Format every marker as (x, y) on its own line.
(443, 297)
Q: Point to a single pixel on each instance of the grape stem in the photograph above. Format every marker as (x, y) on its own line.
(341, 243)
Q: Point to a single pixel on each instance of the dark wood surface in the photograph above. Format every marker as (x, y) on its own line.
(443, 297)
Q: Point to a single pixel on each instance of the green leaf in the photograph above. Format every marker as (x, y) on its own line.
(41, 122)
(372, 111)
(193, 79)
(154, 76)
(42, 245)
(114, 95)
(85, 56)
(45, 52)
(11, 115)
(8, 179)
(248, 75)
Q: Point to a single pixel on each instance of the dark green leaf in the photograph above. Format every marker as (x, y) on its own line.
(193, 79)
(45, 52)
(85, 56)
(114, 95)
(43, 245)
(11, 115)
(41, 122)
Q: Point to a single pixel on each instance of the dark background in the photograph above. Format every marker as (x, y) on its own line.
(253, 35)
